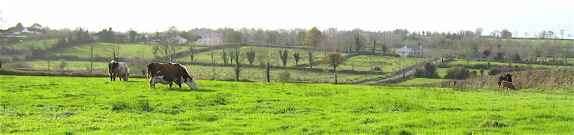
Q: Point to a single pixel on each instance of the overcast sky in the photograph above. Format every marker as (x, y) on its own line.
(518, 16)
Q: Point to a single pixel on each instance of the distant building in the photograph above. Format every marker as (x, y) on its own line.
(19, 29)
(211, 38)
(177, 40)
(411, 50)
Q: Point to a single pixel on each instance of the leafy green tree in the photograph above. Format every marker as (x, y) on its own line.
(107, 35)
(313, 37)
(505, 34)
(334, 59)
(36, 27)
(429, 71)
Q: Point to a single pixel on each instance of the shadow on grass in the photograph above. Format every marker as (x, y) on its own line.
(189, 90)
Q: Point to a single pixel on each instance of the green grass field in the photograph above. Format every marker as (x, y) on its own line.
(464, 62)
(421, 81)
(205, 57)
(74, 105)
(128, 50)
(42, 44)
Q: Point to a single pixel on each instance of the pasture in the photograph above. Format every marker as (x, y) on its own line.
(464, 62)
(143, 51)
(75, 105)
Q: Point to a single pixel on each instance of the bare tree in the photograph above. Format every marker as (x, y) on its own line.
(169, 46)
(265, 61)
(114, 49)
(236, 56)
(191, 53)
(478, 32)
(250, 56)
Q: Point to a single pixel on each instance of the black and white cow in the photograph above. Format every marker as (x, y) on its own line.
(118, 69)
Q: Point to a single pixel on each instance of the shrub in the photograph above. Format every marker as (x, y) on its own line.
(284, 77)
(494, 71)
(460, 73)
(429, 71)
(62, 64)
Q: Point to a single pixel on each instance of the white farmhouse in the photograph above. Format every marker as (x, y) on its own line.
(211, 38)
(411, 50)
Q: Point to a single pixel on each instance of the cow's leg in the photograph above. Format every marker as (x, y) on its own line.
(111, 77)
(152, 82)
(170, 83)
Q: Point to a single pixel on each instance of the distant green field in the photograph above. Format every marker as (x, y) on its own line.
(205, 57)
(76, 105)
(41, 44)
(421, 81)
(55, 65)
(386, 63)
(464, 62)
(142, 51)
(204, 72)
(540, 41)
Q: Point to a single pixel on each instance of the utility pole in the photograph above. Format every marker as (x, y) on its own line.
(91, 59)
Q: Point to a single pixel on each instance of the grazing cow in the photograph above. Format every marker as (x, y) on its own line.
(166, 73)
(118, 69)
(506, 77)
(507, 84)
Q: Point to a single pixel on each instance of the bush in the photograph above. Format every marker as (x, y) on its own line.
(284, 77)
(494, 71)
(429, 71)
(460, 73)
(62, 64)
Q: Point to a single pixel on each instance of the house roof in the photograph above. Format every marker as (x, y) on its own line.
(211, 34)
(413, 47)
(177, 37)
(16, 29)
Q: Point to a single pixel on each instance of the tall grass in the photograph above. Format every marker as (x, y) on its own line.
(74, 105)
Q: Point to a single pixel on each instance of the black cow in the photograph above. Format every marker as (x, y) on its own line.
(506, 77)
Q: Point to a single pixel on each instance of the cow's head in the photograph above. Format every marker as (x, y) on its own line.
(191, 83)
